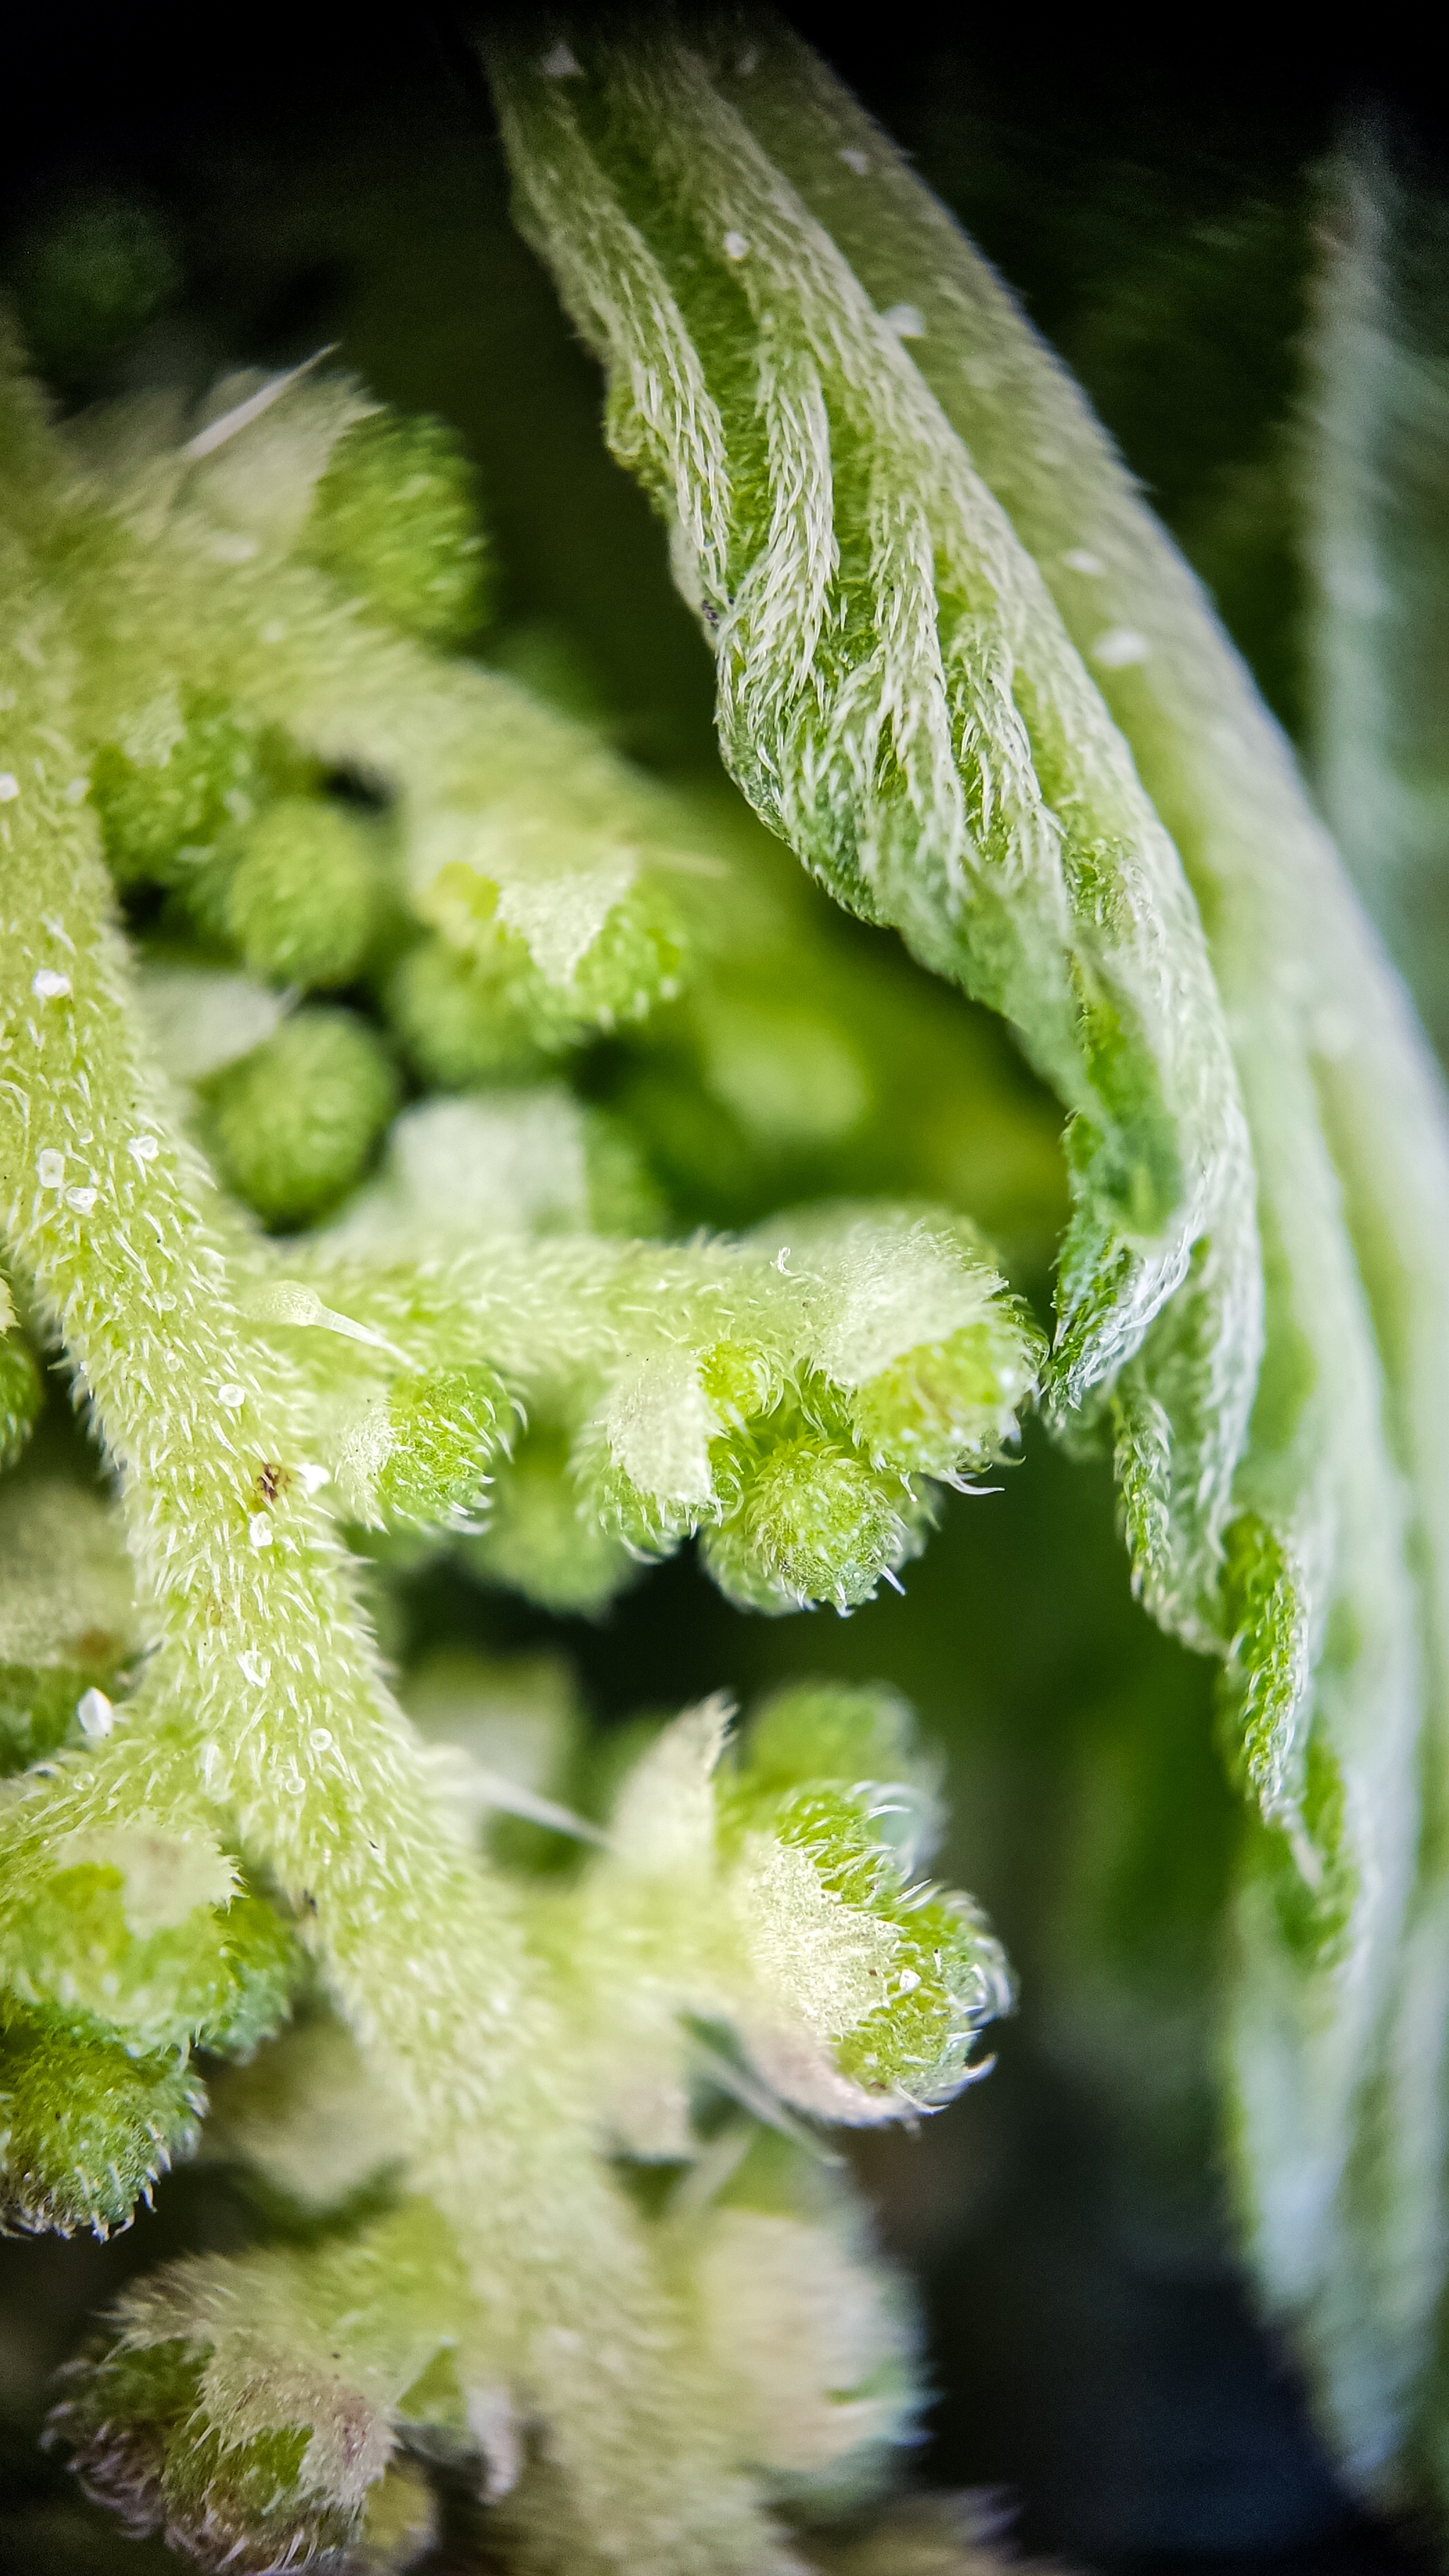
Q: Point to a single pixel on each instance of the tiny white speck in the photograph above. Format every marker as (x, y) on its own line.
(907, 1982)
(232, 1396)
(736, 246)
(97, 1717)
(77, 790)
(49, 985)
(9, 786)
(144, 1148)
(256, 1667)
(855, 159)
(50, 1168)
(561, 63)
(81, 1200)
(312, 1478)
(781, 1257)
(1082, 560)
(259, 1530)
(1119, 648)
(322, 1742)
(905, 321)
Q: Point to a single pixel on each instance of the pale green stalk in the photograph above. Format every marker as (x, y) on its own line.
(265, 1701)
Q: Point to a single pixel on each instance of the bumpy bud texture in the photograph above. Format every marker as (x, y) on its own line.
(185, 771)
(302, 897)
(86, 2127)
(294, 1124)
(395, 521)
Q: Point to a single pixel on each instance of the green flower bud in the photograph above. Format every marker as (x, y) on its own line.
(444, 1430)
(636, 962)
(302, 898)
(135, 1930)
(946, 1408)
(543, 1540)
(86, 2128)
(250, 2407)
(186, 771)
(832, 1732)
(139, 2436)
(482, 1016)
(22, 1392)
(395, 521)
(293, 1124)
(907, 1978)
(813, 1523)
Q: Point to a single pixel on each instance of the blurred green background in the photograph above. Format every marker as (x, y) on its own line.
(1093, 2341)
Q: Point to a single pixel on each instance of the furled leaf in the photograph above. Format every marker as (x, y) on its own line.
(910, 544)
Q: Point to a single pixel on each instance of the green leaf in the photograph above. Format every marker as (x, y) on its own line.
(910, 543)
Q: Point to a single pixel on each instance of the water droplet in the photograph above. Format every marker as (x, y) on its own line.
(81, 1200)
(9, 786)
(735, 246)
(96, 1715)
(231, 1395)
(259, 1530)
(144, 1148)
(49, 985)
(906, 322)
(50, 1168)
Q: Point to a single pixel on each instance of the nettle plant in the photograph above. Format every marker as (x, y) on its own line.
(340, 1284)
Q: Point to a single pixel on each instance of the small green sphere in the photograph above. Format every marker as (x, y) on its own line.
(302, 898)
(293, 1125)
(445, 1430)
(163, 804)
(813, 1523)
(543, 1540)
(395, 521)
(481, 1017)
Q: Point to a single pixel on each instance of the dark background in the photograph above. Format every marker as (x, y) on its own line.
(1092, 2339)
